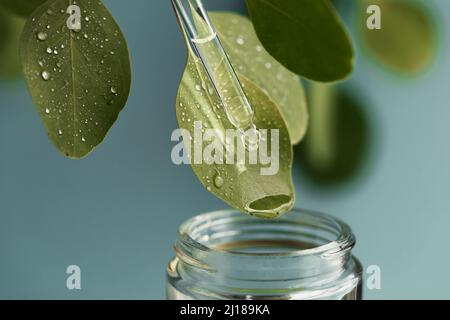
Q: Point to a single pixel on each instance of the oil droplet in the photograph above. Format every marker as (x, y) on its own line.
(60, 132)
(218, 181)
(240, 41)
(83, 139)
(114, 90)
(45, 75)
(49, 50)
(47, 110)
(42, 36)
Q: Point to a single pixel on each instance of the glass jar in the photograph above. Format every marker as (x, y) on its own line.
(230, 255)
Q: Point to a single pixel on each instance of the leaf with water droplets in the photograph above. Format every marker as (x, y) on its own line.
(78, 79)
(250, 59)
(306, 36)
(240, 184)
(21, 7)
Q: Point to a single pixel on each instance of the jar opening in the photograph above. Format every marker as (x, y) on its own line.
(296, 233)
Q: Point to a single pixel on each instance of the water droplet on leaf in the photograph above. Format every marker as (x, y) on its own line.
(218, 181)
(42, 36)
(46, 75)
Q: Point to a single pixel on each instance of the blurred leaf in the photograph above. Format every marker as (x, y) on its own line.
(407, 40)
(240, 185)
(79, 81)
(10, 30)
(23, 8)
(306, 36)
(250, 59)
(338, 139)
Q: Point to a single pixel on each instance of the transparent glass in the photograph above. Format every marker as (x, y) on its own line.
(229, 255)
(205, 44)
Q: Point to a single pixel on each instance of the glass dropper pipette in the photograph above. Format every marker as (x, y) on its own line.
(205, 44)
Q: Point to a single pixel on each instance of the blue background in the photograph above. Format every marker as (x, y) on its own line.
(115, 213)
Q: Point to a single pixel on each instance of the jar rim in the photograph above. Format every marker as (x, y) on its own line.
(344, 241)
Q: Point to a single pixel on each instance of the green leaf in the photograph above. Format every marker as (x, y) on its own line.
(339, 137)
(306, 36)
(242, 186)
(250, 59)
(407, 40)
(11, 28)
(79, 81)
(21, 7)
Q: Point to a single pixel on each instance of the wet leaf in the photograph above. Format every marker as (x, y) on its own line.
(21, 7)
(241, 185)
(250, 59)
(407, 40)
(79, 80)
(339, 136)
(306, 36)
(11, 28)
